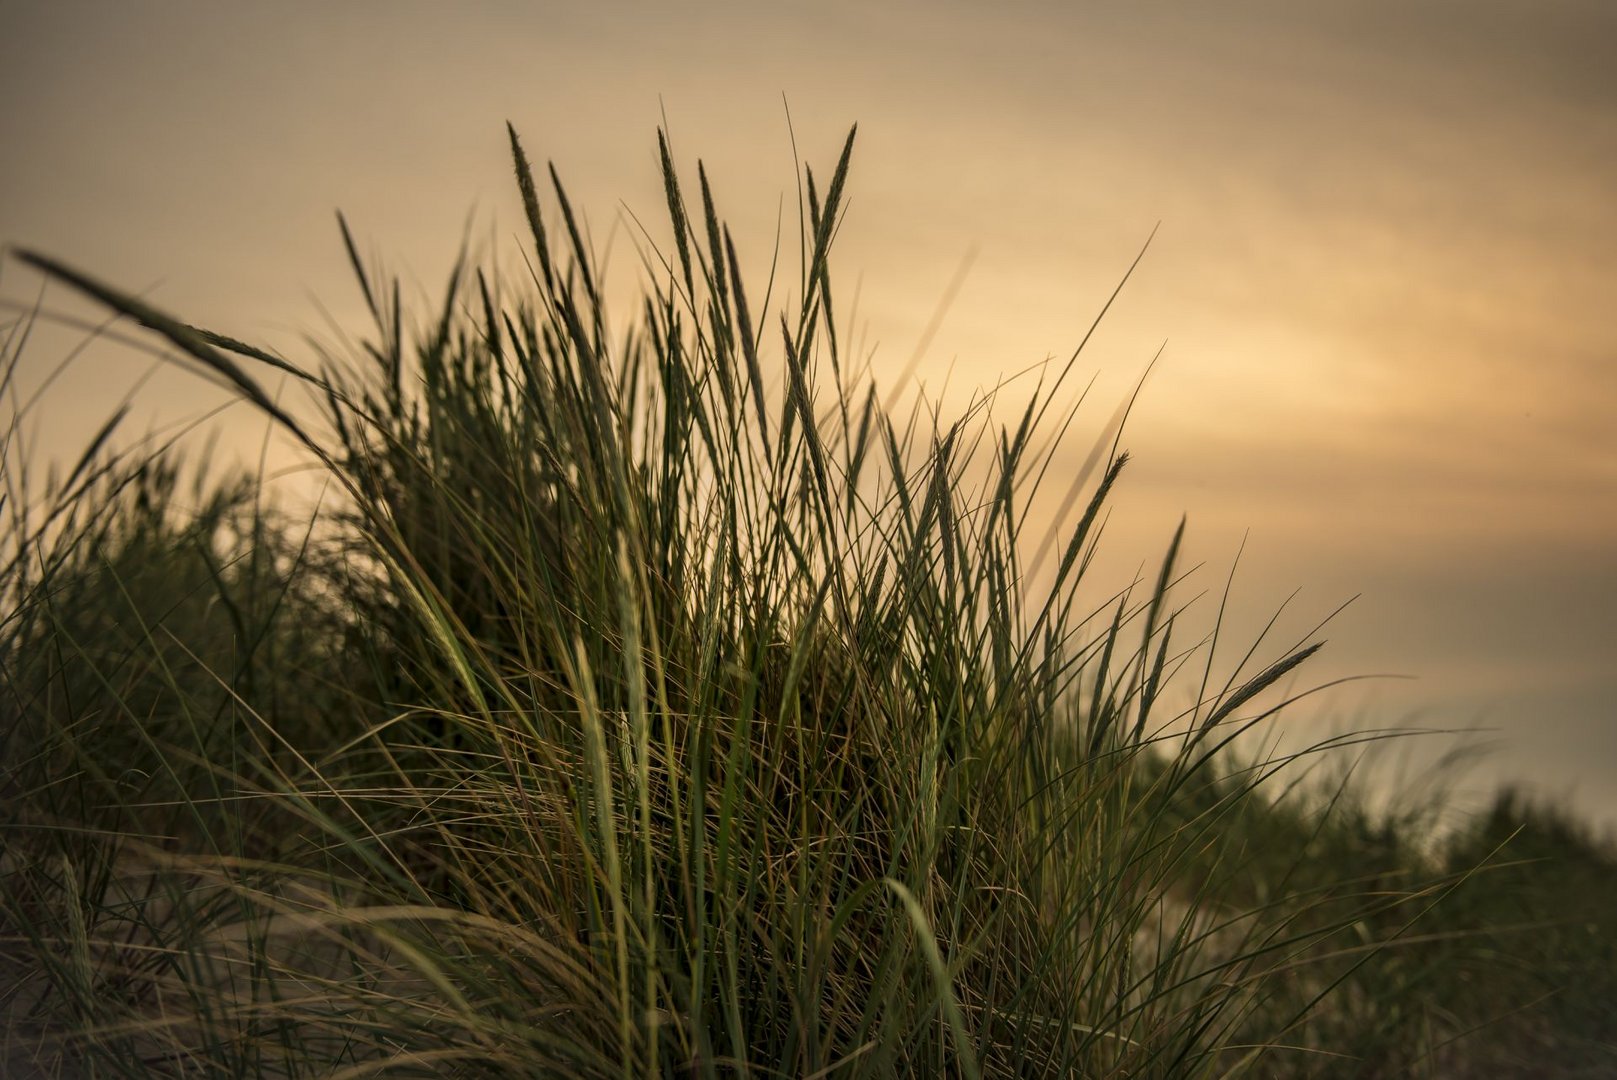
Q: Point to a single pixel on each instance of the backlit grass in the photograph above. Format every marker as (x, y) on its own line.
(648, 699)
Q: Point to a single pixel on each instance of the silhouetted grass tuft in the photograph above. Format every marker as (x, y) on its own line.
(652, 701)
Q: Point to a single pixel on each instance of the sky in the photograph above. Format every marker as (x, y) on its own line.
(1382, 279)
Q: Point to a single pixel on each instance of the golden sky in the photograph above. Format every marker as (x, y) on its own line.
(1386, 270)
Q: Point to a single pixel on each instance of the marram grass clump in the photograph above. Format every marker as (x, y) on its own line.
(650, 700)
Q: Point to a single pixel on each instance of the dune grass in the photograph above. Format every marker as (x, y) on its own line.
(650, 699)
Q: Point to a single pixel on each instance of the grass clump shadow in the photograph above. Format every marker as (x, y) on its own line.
(652, 701)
